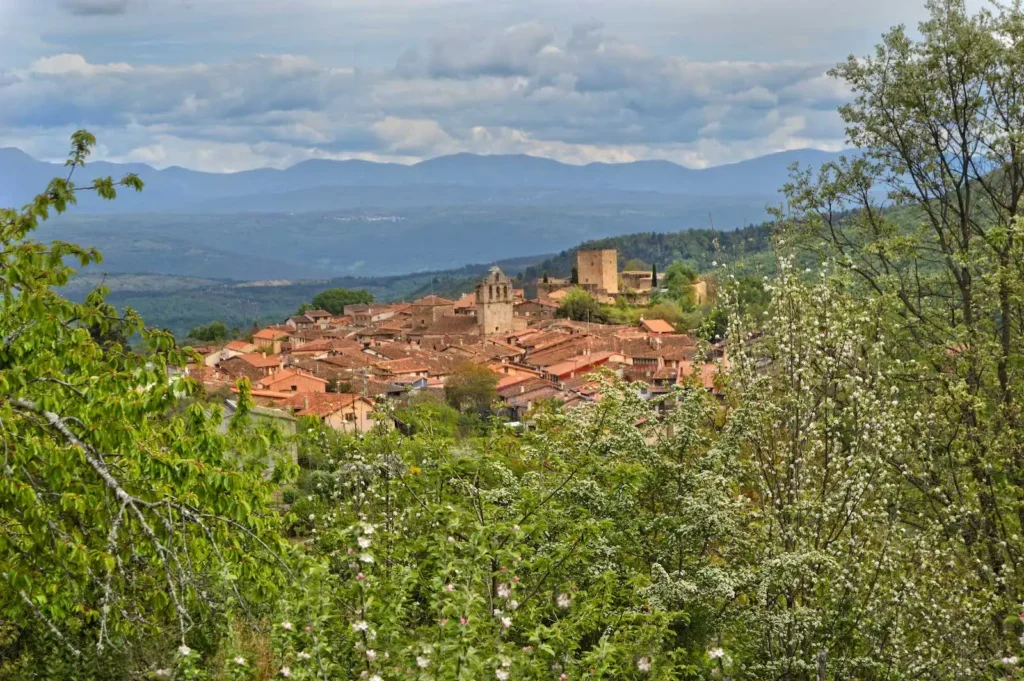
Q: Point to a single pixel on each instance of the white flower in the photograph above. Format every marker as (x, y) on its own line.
(563, 601)
(716, 653)
(498, 612)
(286, 625)
(506, 622)
(184, 650)
(422, 662)
(371, 654)
(366, 558)
(1010, 660)
(367, 529)
(513, 605)
(360, 625)
(504, 591)
(451, 540)
(286, 672)
(240, 661)
(303, 655)
(375, 677)
(312, 517)
(162, 672)
(644, 664)
(502, 674)
(364, 542)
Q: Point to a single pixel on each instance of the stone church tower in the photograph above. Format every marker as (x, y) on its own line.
(494, 310)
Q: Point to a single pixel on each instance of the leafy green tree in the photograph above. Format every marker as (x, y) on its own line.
(635, 264)
(580, 306)
(714, 326)
(937, 115)
(334, 300)
(665, 309)
(429, 416)
(212, 332)
(125, 530)
(471, 388)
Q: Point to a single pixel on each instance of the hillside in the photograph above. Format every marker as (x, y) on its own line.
(702, 249)
(180, 304)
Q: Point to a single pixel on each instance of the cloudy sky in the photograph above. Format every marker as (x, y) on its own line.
(235, 84)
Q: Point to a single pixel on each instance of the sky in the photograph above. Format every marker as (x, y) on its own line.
(227, 85)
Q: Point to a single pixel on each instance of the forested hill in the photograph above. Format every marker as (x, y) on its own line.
(179, 303)
(699, 248)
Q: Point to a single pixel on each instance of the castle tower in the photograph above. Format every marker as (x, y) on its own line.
(494, 309)
(598, 270)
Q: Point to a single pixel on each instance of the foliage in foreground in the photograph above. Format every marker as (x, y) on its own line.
(849, 507)
(127, 523)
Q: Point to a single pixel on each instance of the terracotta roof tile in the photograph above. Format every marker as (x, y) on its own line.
(657, 326)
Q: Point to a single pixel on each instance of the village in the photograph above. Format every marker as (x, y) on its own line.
(339, 368)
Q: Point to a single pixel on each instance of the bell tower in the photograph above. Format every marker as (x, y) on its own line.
(494, 309)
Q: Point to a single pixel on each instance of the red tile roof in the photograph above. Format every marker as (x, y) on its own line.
(433, 300)
(270, 334)
(321, 404)
(260, 361)
(240, 346)
(579, 364)
(657, 326)
(285, 375)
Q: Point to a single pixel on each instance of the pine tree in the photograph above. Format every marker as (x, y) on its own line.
(654, 276)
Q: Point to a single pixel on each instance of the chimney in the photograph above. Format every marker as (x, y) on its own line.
(305, 402)
(264, 354)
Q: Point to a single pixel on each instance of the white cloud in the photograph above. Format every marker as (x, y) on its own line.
(582, 97)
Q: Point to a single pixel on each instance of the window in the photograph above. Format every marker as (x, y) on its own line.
(295, 388)
(350, 417)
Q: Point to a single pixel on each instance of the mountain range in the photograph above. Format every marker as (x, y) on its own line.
(324, 219)
(460, 179)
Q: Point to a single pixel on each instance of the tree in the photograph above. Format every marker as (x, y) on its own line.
(212, 332)
(334, 300)
(545, 277)
(122, 523)
(635, 265)
(574, 277)
(938, 120)
(471, 388)
(665, 309)
(580, 306)
(654, 276)
(678, 282)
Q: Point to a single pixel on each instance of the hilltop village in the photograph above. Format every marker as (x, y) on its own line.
(337, 368)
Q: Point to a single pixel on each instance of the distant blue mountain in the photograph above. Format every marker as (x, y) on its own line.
(334, 184)
(343, 218)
